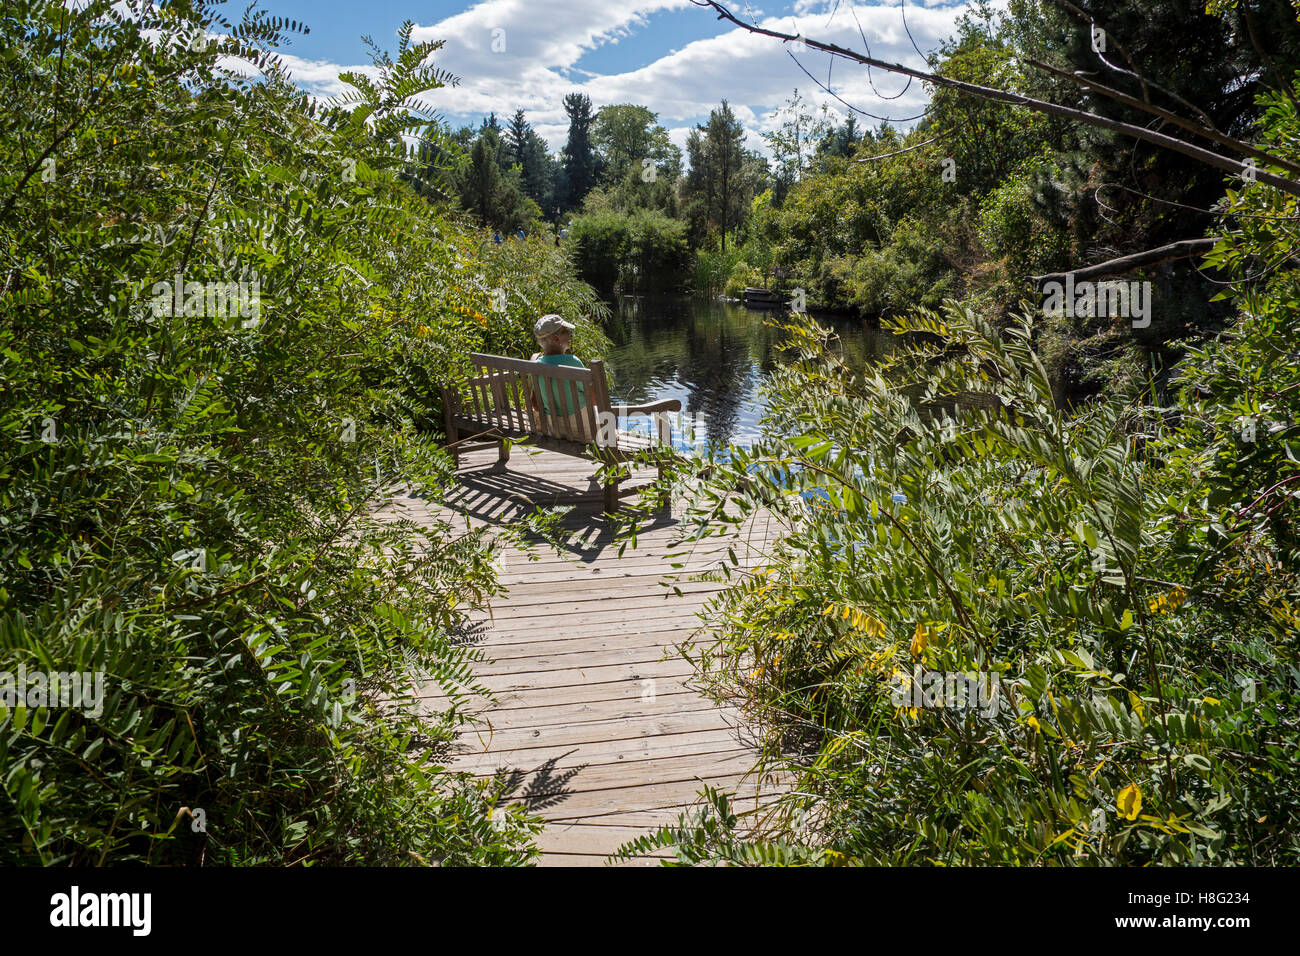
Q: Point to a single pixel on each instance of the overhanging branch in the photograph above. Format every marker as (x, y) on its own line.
(1183, 249)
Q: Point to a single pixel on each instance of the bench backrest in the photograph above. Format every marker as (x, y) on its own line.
(506, 394)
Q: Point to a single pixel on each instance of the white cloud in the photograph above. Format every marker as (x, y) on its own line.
(540, 46)
(546, 39)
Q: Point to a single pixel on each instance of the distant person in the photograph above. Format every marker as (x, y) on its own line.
(520, 235)
(555, 336)
(496, 237)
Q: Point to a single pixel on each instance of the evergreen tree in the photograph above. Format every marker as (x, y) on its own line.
(581, 166)
(527, 153)
(537, 173)
(1180, 58)
(723, 176)
(495, 197)
(842, 141)
(516, 136)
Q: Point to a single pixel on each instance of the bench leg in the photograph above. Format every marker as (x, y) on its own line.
(503, 452)
(611, 497)
(454, 450)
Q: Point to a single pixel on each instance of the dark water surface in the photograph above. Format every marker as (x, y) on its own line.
(714, 356)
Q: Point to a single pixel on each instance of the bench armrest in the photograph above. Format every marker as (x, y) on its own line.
(667, 405)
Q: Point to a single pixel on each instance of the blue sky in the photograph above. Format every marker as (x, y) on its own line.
(672, 56)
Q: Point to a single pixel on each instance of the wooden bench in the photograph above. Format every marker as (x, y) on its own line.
(502, 403)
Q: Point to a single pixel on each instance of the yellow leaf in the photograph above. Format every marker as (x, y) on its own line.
(919, 638)
(1129, 802)
(1136, 703)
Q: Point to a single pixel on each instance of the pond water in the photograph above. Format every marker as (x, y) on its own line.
(714, 356)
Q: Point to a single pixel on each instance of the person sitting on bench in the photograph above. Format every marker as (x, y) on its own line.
(555, 335)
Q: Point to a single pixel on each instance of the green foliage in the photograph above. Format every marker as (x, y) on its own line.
(1126, 575)
(188, 497)
(626, 136)
(643, 251)
(580, 162)
(1012, 232)
(714, 270)
(536, 169)
(1140, 633)
(496, 198)
(911, 271)
(797, 134)
(723, 177)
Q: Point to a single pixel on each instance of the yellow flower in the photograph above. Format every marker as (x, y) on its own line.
(422, 331)
(1129, 802)
(1033, 722)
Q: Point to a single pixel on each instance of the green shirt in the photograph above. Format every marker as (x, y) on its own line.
(551, 392)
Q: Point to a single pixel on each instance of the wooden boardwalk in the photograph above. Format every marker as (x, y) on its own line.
(596, 715)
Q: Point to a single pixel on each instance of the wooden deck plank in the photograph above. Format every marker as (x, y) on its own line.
(675, 795)
(621, 751)
(545, 714)
(563, 660)
(620, 760)
(660, 726)
(586, 643)
(670, 636)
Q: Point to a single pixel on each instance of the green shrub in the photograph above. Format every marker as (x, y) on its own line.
(907, 273)
(713, 269)
(1126, 574)
(1119, 579)
(640, 251)
(187, 498)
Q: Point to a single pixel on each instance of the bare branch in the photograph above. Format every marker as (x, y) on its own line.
(1183, 249)
(906, 149)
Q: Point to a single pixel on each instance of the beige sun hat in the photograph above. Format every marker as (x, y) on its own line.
(548, 325)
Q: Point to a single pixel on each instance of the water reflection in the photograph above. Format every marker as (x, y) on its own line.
(713, 356)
